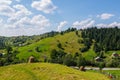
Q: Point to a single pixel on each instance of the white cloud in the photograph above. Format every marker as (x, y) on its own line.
(1, 23)
(6, 10)
(25, 26)
(14, 12)
(114, 24)
(1, 20)
(101, 25)
(45, 6)
(18, 0)
(38, 21)
(61, 25)
(84, 24)
(21, 11)
(105, 16)
(5, 2)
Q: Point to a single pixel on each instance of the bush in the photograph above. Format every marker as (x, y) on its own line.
(57, 56)
(113, 63)
(37, 49)
(101, 65)
(69, 60)
(59, 45)
(76, 33)
(84, 49)
(81, 61)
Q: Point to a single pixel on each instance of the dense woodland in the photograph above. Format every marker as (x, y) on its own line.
(105, 39)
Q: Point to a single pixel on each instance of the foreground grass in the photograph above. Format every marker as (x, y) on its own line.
(46, 71)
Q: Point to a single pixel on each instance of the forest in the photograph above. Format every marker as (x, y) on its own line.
(105, 39)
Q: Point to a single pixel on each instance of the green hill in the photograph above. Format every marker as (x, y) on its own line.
(46, 71)
(69, 42)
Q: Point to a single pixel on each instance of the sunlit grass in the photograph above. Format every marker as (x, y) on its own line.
(46, 71)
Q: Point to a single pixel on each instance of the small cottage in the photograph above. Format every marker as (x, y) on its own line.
(98, 59)
(115, 55)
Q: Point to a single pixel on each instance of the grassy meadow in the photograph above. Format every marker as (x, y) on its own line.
(46, 71)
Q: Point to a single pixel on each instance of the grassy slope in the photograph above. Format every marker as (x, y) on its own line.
(46, 45)
(46, 71)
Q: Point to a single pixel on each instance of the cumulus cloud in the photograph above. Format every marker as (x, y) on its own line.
(13, 12)
(20, 12)
(61, 25)
(84, 24)
(18, 0)
(105, 16)
(5, 2)
(91, 23)
(6, 10)
(45, 6)
(22, 9)
(38, 21)
(114, 24)
(1, 20)
(26, 26)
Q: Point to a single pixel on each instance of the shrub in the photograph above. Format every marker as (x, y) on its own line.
(60, 46)
(37, 49)
(81, 61)
(84, 49)
(69, 60)
(57, 56)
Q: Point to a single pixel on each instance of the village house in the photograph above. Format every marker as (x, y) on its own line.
(98, 59)
(115, 55)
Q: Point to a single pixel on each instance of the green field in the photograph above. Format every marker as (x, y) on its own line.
(46, 71)
(115, 73)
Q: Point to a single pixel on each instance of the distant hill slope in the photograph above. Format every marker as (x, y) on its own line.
(46, 71)
(68, 41)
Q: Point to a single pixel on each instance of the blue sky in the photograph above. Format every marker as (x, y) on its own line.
(29, 17)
